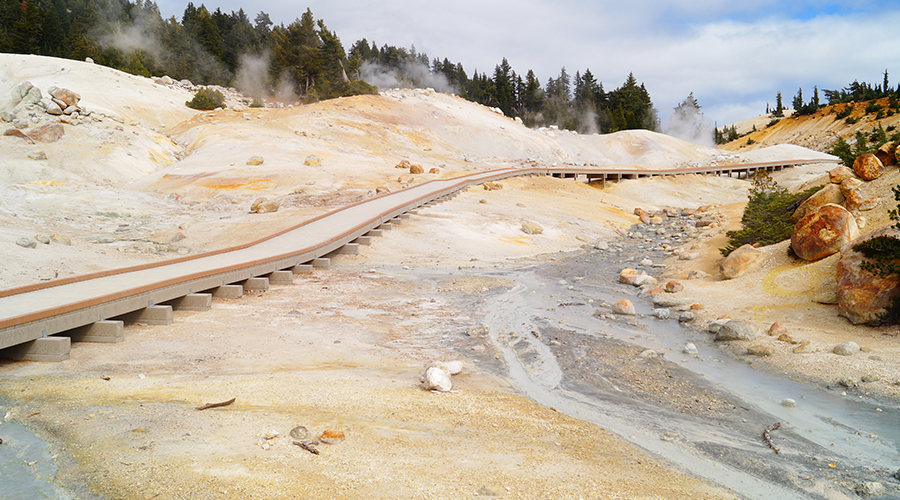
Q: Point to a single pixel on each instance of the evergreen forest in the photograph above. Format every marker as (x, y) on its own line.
(305, 57)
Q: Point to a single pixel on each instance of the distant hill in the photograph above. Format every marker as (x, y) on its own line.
(819, 130)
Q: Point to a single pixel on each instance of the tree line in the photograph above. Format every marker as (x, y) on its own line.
(207, 47)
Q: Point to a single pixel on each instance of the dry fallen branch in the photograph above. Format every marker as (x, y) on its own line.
(768, 438)
(309, 446)
(216, 405)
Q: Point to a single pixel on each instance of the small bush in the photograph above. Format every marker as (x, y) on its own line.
(844, 113)
(842, 150)
(851, 120)
(206, 98)
(773, 122)
(873, 107)
(750, 141)
(767, 217)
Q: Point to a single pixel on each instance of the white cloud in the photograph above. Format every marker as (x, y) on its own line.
(731, 55)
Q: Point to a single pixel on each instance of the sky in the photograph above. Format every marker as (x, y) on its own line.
(733, 56)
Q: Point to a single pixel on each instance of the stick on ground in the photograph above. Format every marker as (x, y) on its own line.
(768, 438)
(216, 405)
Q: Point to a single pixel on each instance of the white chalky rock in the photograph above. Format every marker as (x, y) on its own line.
(437, 379)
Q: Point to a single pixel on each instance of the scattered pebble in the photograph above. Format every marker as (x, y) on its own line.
(847, 349)
(788, 403)
(690, 348)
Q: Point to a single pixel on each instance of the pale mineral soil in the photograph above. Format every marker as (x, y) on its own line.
(341, 349)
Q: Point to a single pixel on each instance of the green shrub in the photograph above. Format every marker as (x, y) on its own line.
(851, 120)
(842, 150)
(883, 253)
(873, 107)
(767, 217)
(750, 141)
(207, 98)
(844, 113)
(773, 122)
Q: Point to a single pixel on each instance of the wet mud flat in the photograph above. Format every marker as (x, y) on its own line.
(706, 413)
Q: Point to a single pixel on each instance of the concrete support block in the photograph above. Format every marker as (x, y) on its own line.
(386, 226)
(229, 292)
(363, 240)
(375, 232)
(302, 269)
(281, 278)
(349, 249)
(193, 302)
(403, 216)
(153, 315)
(51, 349)
(412, 212)
(256, 284)
(396, 221)
(322, 263)
(101, 331)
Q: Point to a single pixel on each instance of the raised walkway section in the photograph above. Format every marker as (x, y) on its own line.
(31, 315)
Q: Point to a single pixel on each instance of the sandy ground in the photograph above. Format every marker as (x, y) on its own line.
(343, 349)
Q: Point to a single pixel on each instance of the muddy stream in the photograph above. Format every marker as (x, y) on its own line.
(705, 412)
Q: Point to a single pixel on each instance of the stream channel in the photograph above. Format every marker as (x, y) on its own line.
(704, 412)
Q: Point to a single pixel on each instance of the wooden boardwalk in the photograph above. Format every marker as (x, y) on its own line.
(39, 321)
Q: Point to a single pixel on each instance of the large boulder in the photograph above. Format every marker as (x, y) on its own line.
(862, 296)
(887, 153)
(50, 132)
(831, 193)
(823, 232)
(742, 261)
(868, 167)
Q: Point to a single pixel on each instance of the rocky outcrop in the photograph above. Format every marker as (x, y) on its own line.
(887, 154)
(862, 296)
(742, 261)
(868, 167)
(828, 194)
(823, 232)
(838, 174)
(64, 97)
(642, 214)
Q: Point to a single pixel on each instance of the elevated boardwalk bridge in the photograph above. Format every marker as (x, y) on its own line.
(38, 322)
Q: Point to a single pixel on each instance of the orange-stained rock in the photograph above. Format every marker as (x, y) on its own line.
(405, 179)
(828, 194)
(623, 306)
(415, 168)
(404, 164)
(887, 153)
(65, 95)
(838, 174)
(674, 287)
(868, 167)
(823, 232)
(642, 214)
(850, 184)
(777, 329)
(47, 133)
(742, 261)
(862, 296)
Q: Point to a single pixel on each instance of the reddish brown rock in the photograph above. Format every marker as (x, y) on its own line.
(65, 95)
(828, 194)
(868, 167)
(742, 261)
(862, 296)
(416, 169)
(838, 174)
(434, 170)
(674, 287)
(405, 179)
(887, 153)
(404, 164)
(853, 200)
(777, 329)
(642, 214)
(869, 204)
(47, 133)
(823, 232)
(18, 134)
